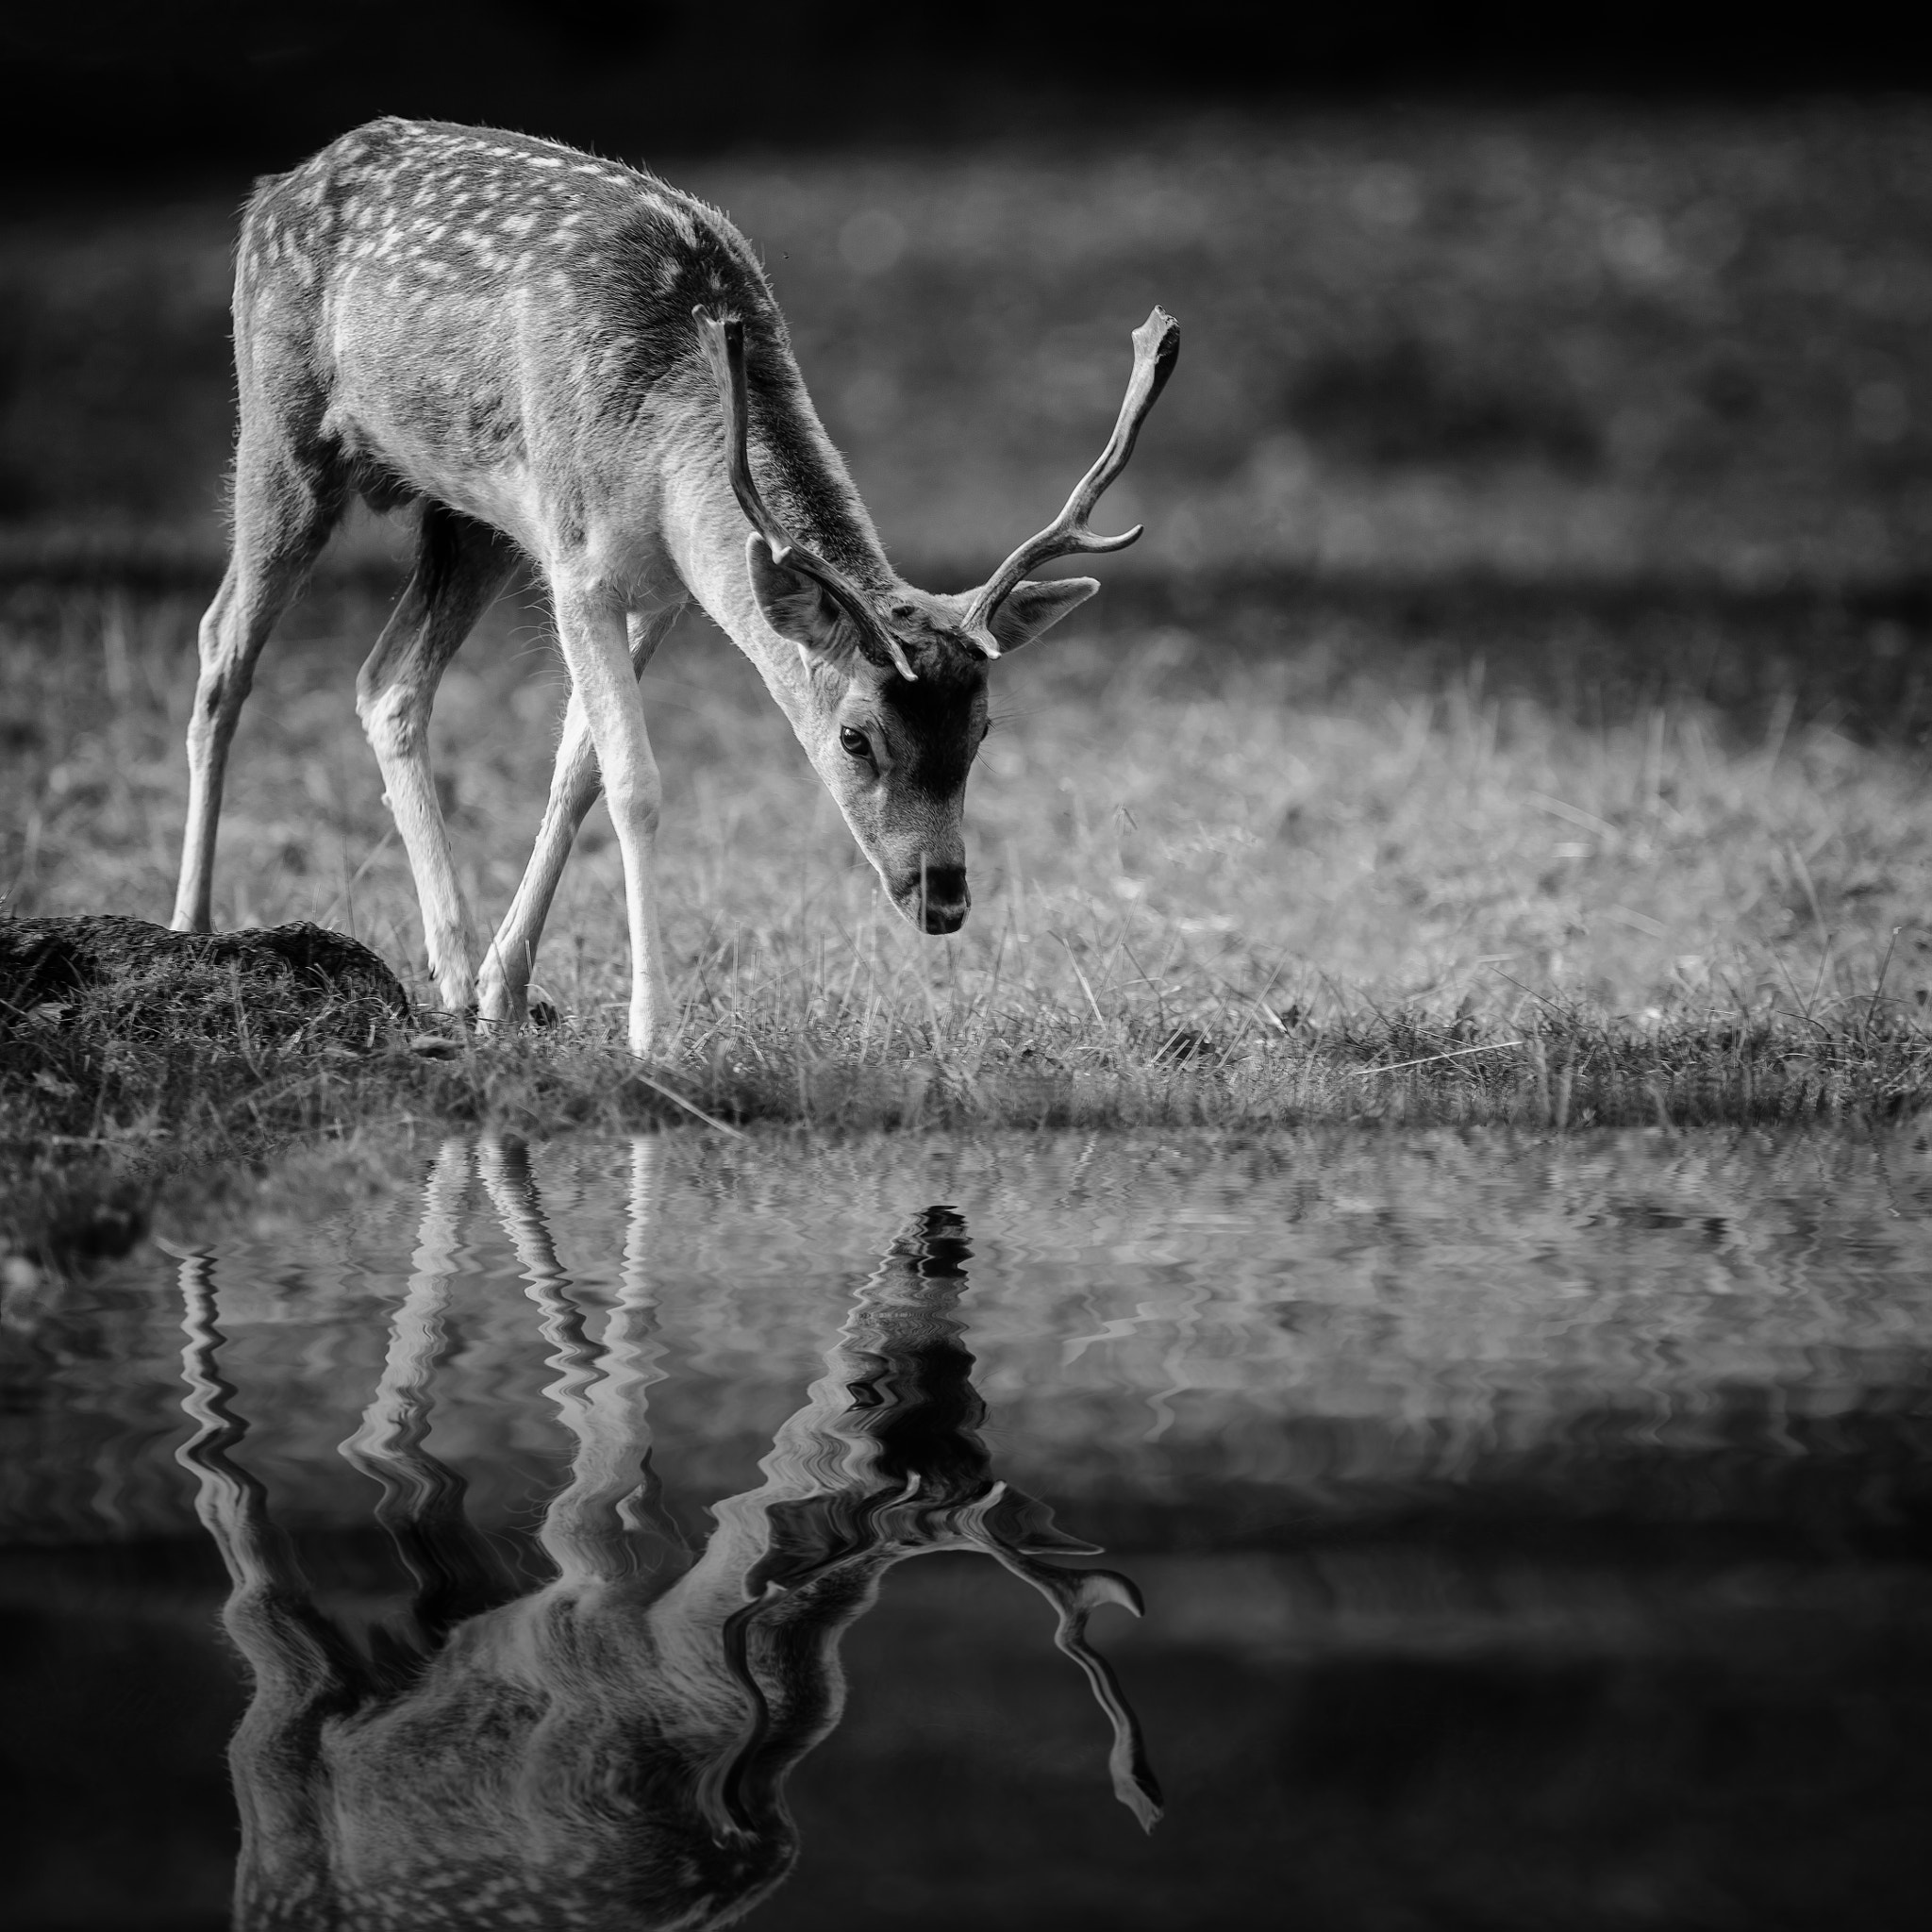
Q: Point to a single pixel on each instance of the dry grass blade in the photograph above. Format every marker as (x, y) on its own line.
(1433, 1058)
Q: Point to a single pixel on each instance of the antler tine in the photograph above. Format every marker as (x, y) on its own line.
(1156, 349)
(722, 339)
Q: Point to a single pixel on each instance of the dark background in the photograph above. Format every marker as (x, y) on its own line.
(1636, 298)
(105, 85)
(1497, 319)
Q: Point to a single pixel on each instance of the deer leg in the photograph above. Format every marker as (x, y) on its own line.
(606, 1524)
(460, 566)
(284, 512)
(591, 630)
(601, 1388)
(295, 1652)
(422, 1507)
(505, 983)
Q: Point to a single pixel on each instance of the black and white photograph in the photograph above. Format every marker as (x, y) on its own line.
(587, 1070)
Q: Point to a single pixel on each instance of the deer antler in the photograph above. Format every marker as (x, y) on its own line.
(1156, 349)
(723, 337)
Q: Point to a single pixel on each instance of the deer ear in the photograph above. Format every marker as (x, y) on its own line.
(1030, 608)
(795, 607)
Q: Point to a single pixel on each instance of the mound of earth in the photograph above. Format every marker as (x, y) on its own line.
(277, 979)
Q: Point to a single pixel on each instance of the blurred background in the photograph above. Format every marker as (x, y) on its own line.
(1468, 292)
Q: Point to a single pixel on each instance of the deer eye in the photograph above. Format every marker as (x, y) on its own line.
(855, 744)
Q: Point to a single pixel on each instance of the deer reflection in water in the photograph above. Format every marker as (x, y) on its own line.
(611, 1749)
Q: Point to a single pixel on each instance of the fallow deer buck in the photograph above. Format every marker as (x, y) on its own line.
(565, 359)
(610, 1750)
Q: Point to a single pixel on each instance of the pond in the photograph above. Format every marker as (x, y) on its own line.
(1528, 1533)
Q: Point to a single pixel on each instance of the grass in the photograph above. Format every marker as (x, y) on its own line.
(1515, 712)
(1348, 870)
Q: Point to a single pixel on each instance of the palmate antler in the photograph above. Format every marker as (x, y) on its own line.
(723, 337)
(864, 1534)
(1156, 349)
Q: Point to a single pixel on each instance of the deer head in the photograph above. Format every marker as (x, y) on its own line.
(896, 706)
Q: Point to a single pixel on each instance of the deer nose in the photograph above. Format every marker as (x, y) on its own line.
(941, 897)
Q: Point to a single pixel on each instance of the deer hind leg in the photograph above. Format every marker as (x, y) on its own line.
(505, 985)
(285, 508)
(295, 1652)
(460, 566)
(454, 1572)
(606, 1525)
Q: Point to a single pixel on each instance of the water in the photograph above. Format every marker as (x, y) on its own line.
(1530, 1533)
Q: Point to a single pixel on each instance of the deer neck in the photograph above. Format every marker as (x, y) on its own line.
(705, 533)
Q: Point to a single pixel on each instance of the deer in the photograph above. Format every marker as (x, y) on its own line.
(561, 360)
(610, 1749)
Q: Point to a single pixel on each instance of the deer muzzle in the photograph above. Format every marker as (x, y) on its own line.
(935, 898)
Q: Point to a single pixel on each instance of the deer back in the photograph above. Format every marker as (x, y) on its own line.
(506, 324)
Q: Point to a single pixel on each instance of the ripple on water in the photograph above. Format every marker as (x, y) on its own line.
(1346, 1323)
(1533, 1531)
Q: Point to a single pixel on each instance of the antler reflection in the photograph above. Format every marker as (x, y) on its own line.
(610, 1749)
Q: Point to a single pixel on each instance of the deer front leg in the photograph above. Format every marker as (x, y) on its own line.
(502, 991)
(591, 630)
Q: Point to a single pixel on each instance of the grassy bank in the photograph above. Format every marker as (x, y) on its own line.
(1616, 812)
(1273, 865)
